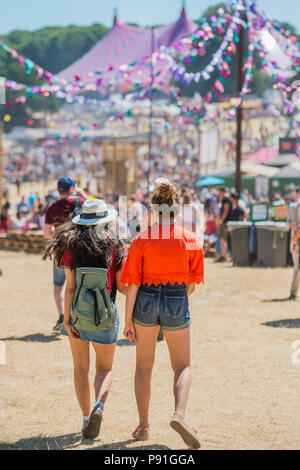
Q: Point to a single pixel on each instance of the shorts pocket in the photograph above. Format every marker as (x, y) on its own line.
(144, 303)
(174, 306)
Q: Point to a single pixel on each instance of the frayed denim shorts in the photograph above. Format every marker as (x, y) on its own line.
(167, 306)
(102, 336)
(59, 276)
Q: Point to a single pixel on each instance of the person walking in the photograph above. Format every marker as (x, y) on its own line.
(164, 264)
(237, 214)
(226, 207)
(294, 224)
(92, 257)
(5, 219)
(56, 215)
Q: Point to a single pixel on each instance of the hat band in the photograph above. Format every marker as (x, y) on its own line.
(95, 215)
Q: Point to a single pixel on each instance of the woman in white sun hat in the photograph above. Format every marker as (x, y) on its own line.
(89, 241)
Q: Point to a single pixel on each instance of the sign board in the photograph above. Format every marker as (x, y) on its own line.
(280, 213)
(262, 187)
(288, 145)
(259, 212)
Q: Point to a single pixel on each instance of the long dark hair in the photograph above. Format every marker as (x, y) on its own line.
(89, 246)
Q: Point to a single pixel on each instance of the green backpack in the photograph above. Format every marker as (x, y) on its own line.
(92, 308)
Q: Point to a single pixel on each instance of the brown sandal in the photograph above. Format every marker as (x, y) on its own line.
(141, 434)
(188, 433)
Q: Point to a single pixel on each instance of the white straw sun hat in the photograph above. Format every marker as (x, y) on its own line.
(95, 212)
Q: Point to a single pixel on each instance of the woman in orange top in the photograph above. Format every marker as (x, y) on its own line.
(164, 264)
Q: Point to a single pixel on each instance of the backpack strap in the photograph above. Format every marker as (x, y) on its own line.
(96, 312)
(113, 294)
(78, 290)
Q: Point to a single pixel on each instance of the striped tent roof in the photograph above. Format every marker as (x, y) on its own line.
(125, 44)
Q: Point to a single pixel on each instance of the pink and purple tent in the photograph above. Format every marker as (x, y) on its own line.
(173, 33)
(125, 44)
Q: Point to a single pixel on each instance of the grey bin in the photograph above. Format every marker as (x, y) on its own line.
(272, 244)
(240, 240)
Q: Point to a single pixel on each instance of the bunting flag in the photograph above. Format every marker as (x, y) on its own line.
(172, 62)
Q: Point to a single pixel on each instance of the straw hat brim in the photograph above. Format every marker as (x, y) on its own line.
(112, 215)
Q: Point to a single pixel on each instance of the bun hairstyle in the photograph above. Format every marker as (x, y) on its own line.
(165, 194)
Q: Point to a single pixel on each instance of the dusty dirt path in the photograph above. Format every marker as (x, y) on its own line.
(245, 392)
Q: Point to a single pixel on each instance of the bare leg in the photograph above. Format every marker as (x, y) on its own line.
(179, 349)
(145, 354)
(223, 243)
(104, 362)
(59, 299)
(81, 359)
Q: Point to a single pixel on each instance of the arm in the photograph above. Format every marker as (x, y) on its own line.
(69, 297)
(129, 331)
(81, 193)
(48, 231)
(190, 289)
(132, 277)
(226, 213)
(196, 264)
(121, 287)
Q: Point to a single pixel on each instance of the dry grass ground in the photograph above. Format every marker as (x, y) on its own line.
(245, 392)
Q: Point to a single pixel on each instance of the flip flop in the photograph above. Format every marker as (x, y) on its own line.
(189, 435)
(92, 430)
(141, 434)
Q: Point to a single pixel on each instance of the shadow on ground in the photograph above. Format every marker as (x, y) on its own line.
(69, 441)
(287, 323)
(73, 441)
(35, 338)
(128, 445)
(287, 299)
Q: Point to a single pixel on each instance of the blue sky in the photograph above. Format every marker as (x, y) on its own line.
(34, 14)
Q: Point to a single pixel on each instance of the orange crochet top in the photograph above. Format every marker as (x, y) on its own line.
(164, 254)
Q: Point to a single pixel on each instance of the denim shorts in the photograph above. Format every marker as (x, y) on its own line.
(59, 276)
(102, 336)
(167, 306)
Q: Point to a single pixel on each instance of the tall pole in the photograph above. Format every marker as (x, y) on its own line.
(151, 104)
(1, 165)
(239, 131)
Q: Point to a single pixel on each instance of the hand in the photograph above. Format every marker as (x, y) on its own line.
(72, 332)
(77, 191)
(129, 332)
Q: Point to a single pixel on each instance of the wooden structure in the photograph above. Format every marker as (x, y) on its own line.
(119, 165)
(30, 242)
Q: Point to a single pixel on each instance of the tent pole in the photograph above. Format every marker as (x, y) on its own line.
(239, 121)
(115, 16)
(1, 165)
(151, 104)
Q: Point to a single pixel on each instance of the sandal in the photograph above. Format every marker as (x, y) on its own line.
(141, 434)
(188, 433)
(92, 430)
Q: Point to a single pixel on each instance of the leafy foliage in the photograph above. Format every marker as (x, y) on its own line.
(53, 48)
